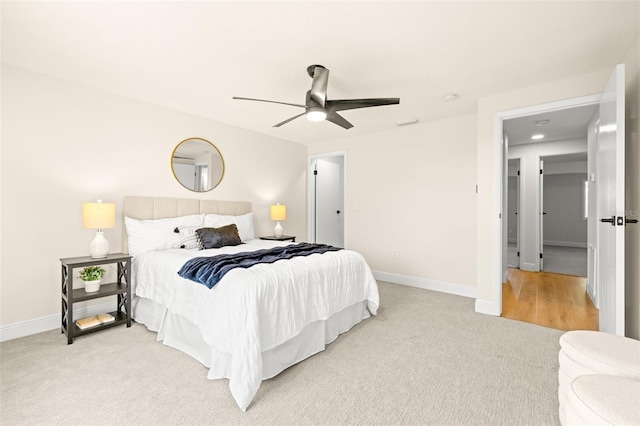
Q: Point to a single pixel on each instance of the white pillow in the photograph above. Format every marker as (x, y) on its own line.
(188, 237)
(157, 234)
(243, 222)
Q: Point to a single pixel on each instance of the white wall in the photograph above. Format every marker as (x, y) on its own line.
(64, 144)
(561, 167)
(412, 189)
(564, 222)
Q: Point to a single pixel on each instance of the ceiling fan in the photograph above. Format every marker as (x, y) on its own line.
(318, 107)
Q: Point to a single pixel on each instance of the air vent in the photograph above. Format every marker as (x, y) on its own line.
(407, 123)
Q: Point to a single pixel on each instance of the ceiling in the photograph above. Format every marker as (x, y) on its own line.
(570, 123)
(195, 56)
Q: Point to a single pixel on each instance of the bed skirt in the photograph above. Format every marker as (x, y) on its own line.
(176, 331)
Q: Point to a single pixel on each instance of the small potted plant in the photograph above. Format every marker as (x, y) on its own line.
(92, 275)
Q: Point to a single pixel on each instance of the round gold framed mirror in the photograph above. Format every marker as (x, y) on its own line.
(197, 164)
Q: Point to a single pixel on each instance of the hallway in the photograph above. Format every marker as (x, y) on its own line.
(551, 300)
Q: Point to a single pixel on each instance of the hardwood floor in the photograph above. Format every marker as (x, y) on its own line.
(551, 300)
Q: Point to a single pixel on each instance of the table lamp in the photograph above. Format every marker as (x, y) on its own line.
(278, 213)
(98, 216)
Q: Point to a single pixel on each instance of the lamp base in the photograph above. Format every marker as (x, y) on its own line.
(99, 247)
(277, 231)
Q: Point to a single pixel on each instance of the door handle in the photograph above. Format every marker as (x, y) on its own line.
(620, 221)
(611, 220)
(338, 212)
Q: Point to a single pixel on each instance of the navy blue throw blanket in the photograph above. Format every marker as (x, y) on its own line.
(209, 270)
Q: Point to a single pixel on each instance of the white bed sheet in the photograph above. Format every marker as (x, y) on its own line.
(254, 310)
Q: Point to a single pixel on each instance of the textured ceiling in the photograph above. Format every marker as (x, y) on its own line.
(194, 56)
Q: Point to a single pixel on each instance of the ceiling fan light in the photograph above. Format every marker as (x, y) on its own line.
(316, 114)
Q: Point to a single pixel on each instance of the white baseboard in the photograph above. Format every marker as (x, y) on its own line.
(50, 322)
(487, 307)
(565, 243)
(482, 306)
(443, 287)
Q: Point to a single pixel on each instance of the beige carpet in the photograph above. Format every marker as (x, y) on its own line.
(427, 358)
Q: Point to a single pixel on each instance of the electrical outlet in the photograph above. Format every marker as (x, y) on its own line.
(355, 206)
(394, 253)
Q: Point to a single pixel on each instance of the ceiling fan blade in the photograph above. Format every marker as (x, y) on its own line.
(345, 104)
(319, 86)
(289, 119)
(271, 102)
(335, 118)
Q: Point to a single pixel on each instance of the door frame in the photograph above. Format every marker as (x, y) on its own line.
(311, 191)
(541, 214)
(501, 159)
(518, 202)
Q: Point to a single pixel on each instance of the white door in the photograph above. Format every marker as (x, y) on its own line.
(610, 181)
(329, 211)
(541, 215)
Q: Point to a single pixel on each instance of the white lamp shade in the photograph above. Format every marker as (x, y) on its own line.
(279, 212)
(98, 215)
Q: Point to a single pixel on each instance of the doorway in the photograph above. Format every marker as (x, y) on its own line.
(327, 176)
(556, 296)
(565, 215)
(610, 214)
(546, 155)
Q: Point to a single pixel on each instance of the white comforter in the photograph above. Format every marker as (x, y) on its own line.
(253, 310)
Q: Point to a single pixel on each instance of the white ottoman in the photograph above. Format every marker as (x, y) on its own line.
(601, 399)
(592, 352)
(600, 353)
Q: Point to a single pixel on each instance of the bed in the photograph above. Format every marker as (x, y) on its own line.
(256, 321)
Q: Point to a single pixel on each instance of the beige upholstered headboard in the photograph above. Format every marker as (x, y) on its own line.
(160, 208)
